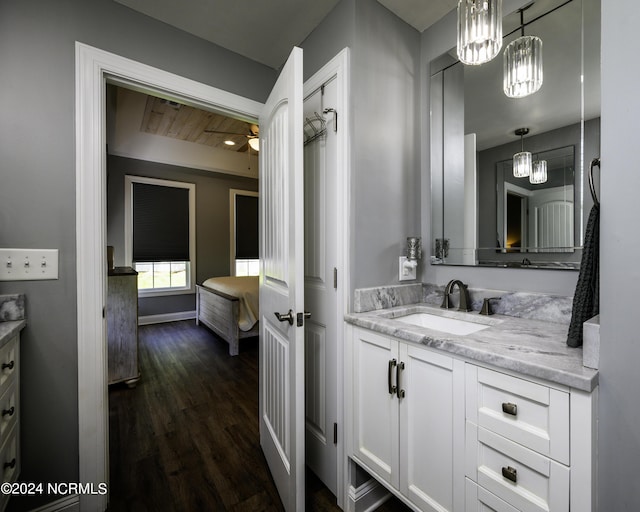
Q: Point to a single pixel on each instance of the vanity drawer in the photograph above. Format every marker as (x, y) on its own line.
(8, 410)
(478, 499)
(531, 414)
(525, 479)
(8, 364)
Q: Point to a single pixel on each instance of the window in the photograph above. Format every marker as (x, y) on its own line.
(244, 232)
(160, 234)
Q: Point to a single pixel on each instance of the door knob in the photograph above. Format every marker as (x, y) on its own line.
(287, 317)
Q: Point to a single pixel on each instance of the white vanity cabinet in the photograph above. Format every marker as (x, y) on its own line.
(407, 418)
(519, 447)
(448, 434)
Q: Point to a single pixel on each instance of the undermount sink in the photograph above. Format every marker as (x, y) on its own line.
(442, 323)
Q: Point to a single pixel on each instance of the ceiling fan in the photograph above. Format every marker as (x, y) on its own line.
(252, 137)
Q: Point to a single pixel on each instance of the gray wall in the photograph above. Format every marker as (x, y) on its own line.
(37, 191)
(329, 38)
(212, 221)
(385, 175)
(619, 418)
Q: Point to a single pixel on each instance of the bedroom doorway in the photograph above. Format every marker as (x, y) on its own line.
(93, 68)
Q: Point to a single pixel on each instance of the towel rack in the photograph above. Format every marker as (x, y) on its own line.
(314, 127)
(594, 163)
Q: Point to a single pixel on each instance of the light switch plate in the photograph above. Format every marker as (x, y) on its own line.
(28, 264)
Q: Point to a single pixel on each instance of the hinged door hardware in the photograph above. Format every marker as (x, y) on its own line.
(509, 408)
(335, 278)
(287, 317)
(301, 317)
(335, 433)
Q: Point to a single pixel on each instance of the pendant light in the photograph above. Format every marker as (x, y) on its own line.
(522, 160)
(538, 172)
(479, 30)
(522, 64)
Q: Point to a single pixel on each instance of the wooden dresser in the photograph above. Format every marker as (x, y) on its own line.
(122, 326)
(9, 404)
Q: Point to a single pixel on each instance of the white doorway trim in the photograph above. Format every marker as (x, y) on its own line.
(94, 67)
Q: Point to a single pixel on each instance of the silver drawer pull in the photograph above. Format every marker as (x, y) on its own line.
(392, 365)
(510, 408)
(510, 474)
(400, 392)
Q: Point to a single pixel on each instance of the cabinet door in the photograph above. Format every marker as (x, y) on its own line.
(375, 414)
(431, 432)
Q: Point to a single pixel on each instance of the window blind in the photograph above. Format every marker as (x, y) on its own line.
(246, 227)
(160, 223)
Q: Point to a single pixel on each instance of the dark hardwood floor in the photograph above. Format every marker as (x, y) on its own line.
(186, 438)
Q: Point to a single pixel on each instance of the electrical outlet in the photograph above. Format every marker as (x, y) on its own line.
(28, 264)
(407, 269)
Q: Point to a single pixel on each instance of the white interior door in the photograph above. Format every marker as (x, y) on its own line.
(281, 367)
(321, 289)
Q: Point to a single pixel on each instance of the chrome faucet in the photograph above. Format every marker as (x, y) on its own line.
(465, 301)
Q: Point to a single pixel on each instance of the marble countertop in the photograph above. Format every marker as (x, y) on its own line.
(9, 329)
(529, 347)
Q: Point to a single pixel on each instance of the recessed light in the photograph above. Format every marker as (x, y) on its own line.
(229, 143)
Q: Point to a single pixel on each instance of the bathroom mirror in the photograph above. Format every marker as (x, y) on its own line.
(481, 214)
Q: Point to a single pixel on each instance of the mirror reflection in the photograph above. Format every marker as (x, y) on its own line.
(482, 213)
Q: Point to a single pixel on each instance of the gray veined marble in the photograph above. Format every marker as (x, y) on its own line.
(534, 306)
(383, 297)
(11, 307)
(530, 347)
(11, 317)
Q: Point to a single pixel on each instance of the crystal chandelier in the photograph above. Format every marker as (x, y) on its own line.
(522, 160)
(479, 30)
(522, 64)
(538, 172)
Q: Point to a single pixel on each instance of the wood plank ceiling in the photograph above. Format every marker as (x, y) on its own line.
(171, 119)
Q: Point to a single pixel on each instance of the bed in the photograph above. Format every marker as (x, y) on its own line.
(229, 307)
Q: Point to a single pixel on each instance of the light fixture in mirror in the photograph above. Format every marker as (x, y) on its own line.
(472, 125)
(479, 30)
(522, 61)
(522, 160)
(538, 172)
(536, 218)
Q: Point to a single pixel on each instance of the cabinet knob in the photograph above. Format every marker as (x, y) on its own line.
(11, 464)
(8, 365)
(510, 474)
(8, 412)
(510, 408)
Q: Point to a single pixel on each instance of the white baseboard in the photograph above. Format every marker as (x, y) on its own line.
(166, 317)
(368, 496)
(66, 504)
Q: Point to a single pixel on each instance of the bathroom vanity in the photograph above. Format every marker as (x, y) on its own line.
(499, 418)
